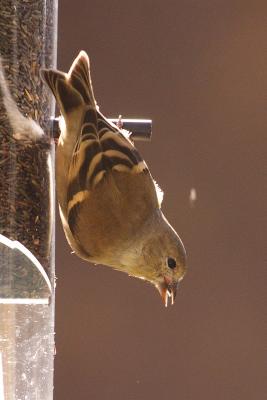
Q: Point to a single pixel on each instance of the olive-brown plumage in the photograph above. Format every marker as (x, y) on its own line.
(109, 203)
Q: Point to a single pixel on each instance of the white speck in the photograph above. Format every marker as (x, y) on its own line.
(192, 197)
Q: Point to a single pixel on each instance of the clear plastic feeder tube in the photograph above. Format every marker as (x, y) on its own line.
(28, 33)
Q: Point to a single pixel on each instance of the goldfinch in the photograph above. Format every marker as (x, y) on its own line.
(109, 204)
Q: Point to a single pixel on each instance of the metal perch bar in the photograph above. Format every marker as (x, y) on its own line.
(140, 129)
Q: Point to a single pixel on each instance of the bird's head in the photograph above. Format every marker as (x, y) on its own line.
(161, 259)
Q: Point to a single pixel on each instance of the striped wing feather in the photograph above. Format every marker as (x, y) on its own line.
(101, 149)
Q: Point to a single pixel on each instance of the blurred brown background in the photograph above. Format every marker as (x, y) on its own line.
(198, 69)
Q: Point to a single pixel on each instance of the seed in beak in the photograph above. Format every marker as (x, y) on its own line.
(166, 291)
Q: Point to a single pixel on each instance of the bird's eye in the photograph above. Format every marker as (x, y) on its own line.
(171, 262)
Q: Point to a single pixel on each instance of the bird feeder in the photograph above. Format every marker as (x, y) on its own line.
(28, 33)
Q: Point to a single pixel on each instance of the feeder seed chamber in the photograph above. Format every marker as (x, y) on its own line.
(28, 33)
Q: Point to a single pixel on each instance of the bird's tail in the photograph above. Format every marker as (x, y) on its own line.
(72, 90)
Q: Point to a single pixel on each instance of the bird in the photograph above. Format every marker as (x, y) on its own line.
(109, 204)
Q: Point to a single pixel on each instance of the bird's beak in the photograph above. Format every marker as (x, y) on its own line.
(168, 289)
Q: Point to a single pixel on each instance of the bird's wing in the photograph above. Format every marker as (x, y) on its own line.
(104, 153)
